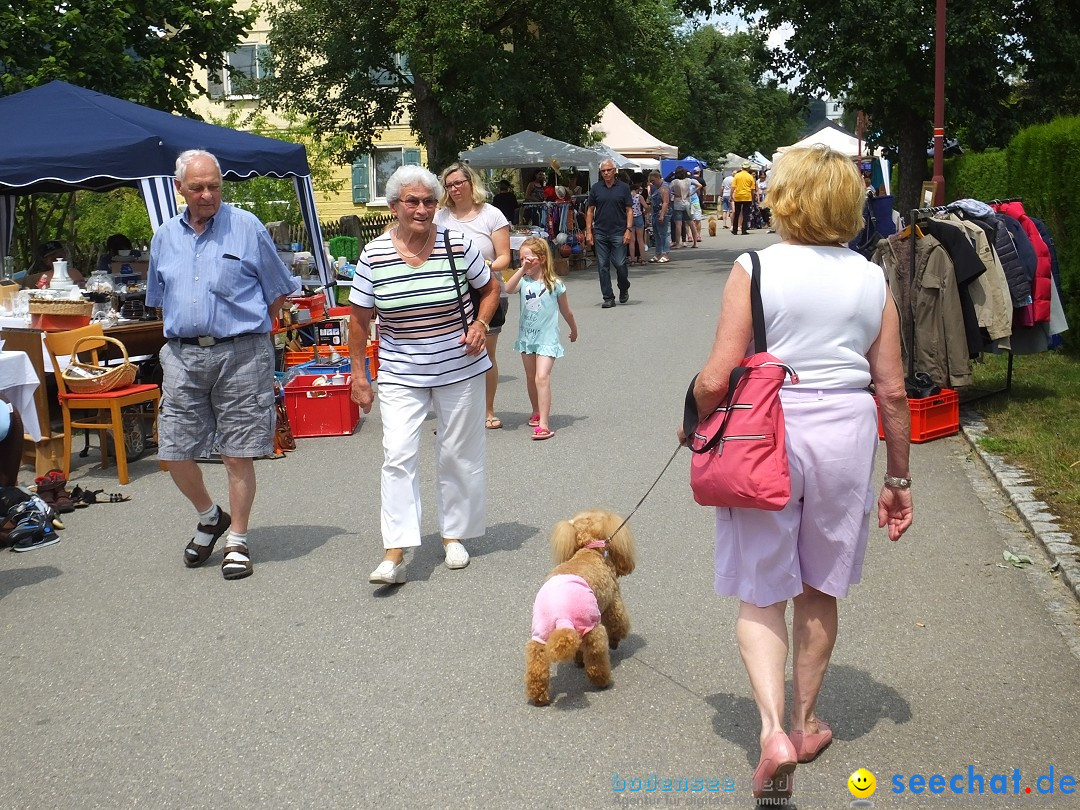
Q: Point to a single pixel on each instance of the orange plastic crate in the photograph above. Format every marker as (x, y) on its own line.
(373, 359)
(932, 417)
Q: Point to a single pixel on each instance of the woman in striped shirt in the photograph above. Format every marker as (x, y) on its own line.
(432, 356)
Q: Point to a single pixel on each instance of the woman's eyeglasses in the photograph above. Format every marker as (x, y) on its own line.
(416, 202)
(456, 183)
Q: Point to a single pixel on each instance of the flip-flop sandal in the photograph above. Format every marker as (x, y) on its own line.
(665, 260)
(653, 260)
(493, 423)
(534, 420)
(539, 433)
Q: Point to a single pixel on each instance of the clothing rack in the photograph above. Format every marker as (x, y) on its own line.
(926, 213)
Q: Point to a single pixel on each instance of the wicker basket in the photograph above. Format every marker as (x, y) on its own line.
(82, 378)
(45, 306)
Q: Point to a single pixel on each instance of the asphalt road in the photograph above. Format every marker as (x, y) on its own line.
(131, 681)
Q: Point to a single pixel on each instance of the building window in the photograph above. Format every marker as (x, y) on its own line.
(248, 65)
(370, 172)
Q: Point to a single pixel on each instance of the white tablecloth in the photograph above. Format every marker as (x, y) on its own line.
(18, 382)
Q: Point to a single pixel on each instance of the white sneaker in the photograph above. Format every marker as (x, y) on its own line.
(388, 574)
(456, 555)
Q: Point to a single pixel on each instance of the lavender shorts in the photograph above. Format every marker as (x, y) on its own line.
(820, 537)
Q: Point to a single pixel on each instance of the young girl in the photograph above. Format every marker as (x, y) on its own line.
(637, 202)
(538, 326)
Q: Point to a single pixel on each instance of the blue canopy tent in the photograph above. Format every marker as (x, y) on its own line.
(668, 165)
(59, 137)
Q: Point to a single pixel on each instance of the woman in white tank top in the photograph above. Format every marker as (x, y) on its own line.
(829, 315)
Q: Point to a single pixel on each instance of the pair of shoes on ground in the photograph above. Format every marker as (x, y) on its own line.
(52, 488)
(237, 558)
(85, 497)
(779, 756)
(32, 526)
(390, 573)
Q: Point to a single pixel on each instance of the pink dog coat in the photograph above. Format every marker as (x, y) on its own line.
(565, 600)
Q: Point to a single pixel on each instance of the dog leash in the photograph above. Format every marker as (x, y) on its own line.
(650, 489)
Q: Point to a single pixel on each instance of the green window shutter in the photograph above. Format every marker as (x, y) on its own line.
(214, 84)
(410, 157)
(361, 179)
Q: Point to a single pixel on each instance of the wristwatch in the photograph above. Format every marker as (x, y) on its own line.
(893, 482)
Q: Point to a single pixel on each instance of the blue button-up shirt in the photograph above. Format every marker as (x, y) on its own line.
(220, 282)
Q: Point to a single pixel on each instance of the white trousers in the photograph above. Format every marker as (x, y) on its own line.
(461, 480)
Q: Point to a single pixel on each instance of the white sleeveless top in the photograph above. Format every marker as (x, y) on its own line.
(823, 310)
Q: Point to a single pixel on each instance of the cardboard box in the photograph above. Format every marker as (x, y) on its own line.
(562, 266)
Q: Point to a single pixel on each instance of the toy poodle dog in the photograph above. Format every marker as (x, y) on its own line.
(578, 610)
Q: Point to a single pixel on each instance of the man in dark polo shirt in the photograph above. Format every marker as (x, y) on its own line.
(609, 222)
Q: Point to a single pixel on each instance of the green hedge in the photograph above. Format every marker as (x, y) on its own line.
(1041, 166)
(982, 176)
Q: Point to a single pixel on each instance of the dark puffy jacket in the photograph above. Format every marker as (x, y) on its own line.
(1019, 285)
(1042, 278)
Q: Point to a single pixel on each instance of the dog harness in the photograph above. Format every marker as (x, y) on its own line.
(565, 600)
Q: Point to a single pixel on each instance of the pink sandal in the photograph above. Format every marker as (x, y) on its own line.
(534, 420)
(541, 433)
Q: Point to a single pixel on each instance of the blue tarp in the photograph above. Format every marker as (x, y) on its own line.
(668, 165)
(59, 136)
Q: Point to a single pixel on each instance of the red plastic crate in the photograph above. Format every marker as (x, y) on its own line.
(931, 417)
(320, 410)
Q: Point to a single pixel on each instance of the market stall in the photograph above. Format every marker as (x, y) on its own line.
(59, 137)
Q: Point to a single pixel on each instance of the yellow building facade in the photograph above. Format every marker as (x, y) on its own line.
(363, 183)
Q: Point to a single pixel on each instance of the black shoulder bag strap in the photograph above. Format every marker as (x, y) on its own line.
(457, 284)
(757, 311)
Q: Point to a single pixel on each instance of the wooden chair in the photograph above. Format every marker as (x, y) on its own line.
(105, 408)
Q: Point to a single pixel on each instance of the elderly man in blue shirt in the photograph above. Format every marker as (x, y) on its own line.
(216, 275)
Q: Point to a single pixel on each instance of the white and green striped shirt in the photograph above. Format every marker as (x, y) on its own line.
(420, 327)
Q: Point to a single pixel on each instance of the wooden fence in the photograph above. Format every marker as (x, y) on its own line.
(364, 229)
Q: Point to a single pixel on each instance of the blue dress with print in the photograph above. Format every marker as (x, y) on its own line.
(538, 324)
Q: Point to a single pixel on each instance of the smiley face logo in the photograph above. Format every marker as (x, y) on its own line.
(862, 784)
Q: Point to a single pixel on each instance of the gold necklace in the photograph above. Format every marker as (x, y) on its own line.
(405, 252)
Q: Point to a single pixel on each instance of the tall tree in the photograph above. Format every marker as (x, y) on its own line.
(721, 101)
(458, 70)
(146, 51)
(885, 65)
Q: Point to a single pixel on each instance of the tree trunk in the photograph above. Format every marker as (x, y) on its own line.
(911, 140)
(435, 131)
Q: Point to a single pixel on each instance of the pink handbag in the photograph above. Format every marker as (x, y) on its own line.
(739, 458)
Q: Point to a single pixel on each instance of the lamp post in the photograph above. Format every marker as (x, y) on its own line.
(939, 104)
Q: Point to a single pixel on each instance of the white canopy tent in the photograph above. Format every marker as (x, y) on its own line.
(621, 161)
(624, 136)
(527, 149)
(833, 136)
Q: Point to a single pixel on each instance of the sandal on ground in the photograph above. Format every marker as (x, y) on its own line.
(493, 423)
(664, 260)
(541, 433)
(237, 562)
(653, 260)
(195, 554)
(534, 420)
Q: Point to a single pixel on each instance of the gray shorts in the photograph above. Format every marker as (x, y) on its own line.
(217, 397)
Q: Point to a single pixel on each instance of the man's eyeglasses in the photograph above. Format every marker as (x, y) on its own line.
(456, 183)
(416, 202)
